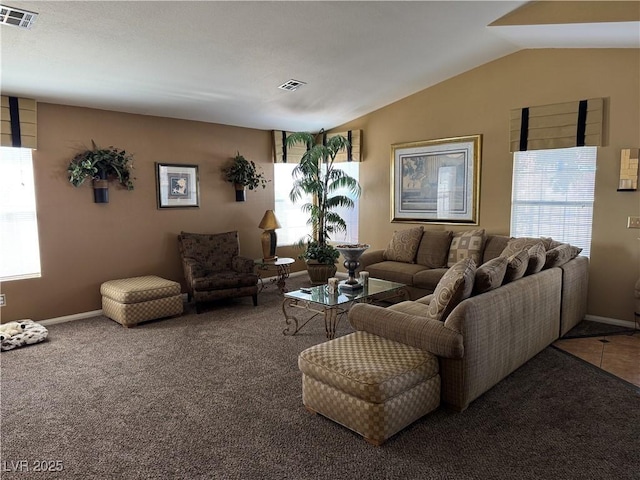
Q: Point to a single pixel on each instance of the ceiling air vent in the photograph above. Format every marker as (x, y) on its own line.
(16, 17)
(291, 85)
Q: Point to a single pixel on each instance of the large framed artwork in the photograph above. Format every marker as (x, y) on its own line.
(436, 181)
(177, 185)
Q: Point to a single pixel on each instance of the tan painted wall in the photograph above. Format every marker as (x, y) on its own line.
(83, 243)
(478, 102)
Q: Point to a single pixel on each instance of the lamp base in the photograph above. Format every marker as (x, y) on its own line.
(269, 241)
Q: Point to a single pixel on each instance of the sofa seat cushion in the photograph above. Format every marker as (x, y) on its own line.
(411, 308)
(367, 366)
(434, 248)
(225, 279)
(455, 286)
(395, 271)
(428, 279)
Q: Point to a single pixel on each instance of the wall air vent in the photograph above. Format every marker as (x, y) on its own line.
(16, 17)
(291, 85)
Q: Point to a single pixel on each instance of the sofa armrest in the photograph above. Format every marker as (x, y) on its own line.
(369, 258)
(424, 333)
(242, 264)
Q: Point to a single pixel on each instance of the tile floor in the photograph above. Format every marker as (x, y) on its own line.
(618, 354)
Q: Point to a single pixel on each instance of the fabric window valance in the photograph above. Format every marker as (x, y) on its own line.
(284, 154)
(18, 124)
(561, 125)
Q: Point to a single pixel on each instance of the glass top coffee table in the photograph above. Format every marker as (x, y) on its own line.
(319, 301)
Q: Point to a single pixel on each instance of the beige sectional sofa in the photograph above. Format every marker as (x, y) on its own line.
(481, 335)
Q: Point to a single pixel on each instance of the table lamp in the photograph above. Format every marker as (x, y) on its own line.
(269, 239)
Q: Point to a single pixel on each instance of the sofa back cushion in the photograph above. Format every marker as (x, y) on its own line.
(454, 287)
(490, 275)
(469, 244)
(404, 245)
(515, 245)
(493, 246)
(516, 266)
(434, 248)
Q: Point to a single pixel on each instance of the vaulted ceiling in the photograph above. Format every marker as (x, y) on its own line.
(222, 62)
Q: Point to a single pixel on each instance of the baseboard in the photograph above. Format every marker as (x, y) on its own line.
(610, 321)
(70, 318)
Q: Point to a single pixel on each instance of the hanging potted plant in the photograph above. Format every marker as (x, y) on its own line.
(317, 175)
(244, 174)
(101, 165)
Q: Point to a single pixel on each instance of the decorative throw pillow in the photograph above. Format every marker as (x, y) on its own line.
(537, 259)
(516, 266)
(467, 244)
(490, 275)
(517, 244)
(559, 255)
(550, 244)
(434, 248)
(453, 287)
(404, 245)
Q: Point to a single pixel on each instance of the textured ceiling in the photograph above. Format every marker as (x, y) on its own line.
(222, 62)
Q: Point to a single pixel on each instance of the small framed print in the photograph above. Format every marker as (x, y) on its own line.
(177, 185)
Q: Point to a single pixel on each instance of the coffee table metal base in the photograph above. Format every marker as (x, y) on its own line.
(330, 310)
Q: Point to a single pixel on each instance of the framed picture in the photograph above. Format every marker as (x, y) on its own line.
(177, 185)
(436, 181)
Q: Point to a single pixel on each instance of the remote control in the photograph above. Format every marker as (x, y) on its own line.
(305, 290)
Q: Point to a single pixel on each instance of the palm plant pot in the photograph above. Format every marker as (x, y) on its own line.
(320, 273)
(241, 192)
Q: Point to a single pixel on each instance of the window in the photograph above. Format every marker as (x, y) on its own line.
(19, 247)
(553, 193)
(294, 221)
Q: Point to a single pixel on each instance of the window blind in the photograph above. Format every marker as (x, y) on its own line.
(553, 193)
(293, 154)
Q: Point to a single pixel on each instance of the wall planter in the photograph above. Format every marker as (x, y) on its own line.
(243, 174)
(101, 165)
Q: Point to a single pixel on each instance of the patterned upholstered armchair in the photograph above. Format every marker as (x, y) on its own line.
(214, 269)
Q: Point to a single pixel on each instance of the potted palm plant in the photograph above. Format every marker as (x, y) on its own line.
(101, 165)
(244, 174)
(317, 175)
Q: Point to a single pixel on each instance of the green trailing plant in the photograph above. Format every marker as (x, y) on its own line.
(244, 172)
(318, 176)
(107, 163)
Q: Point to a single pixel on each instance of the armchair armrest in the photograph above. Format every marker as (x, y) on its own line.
(424, 333)
(242, 264)
(193, 268)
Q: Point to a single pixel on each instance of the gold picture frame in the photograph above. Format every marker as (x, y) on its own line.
(436, 181)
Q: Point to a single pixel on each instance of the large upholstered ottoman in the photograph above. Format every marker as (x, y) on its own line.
(370, 384)
(130, 301)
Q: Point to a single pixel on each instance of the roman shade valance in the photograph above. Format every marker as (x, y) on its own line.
(284, 154)
(561, 125)
(18, 122)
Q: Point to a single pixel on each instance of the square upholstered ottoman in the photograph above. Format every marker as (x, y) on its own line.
(370, 384)
(130, 301)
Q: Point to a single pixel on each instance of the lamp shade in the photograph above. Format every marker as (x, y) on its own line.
(269, 221)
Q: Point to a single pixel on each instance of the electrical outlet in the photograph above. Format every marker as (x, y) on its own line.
(3, 300)
(633, 222)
